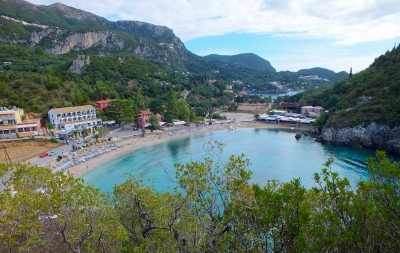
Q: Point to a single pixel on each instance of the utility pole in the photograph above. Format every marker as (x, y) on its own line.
(7, 156)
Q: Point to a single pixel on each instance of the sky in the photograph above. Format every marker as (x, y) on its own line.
(291, 34)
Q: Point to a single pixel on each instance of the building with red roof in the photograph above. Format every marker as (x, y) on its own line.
(143, 118)
(103, 104)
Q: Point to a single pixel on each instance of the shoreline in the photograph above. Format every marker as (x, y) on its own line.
(132, 144)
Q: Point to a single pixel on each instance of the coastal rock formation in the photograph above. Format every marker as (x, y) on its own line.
(79, 64)
(82, 41)
(372, 136)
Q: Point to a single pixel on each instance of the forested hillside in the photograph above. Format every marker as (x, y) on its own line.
(373, 95)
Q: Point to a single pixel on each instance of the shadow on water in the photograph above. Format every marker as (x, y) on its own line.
(178, 146)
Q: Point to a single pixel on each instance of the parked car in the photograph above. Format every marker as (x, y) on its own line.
(44, 155)
(53, 152)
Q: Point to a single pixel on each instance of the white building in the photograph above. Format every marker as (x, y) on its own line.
(74, 118)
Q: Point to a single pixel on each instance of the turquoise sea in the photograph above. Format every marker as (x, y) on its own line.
(274, 154)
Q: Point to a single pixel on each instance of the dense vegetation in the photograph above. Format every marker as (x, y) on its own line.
(373, 95)
(213, 209)
(37, 81)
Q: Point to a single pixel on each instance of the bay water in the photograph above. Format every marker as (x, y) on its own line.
(273, 153)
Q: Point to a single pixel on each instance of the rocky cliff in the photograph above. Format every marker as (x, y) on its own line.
(79, 64)
(372, 136)
(83, 41)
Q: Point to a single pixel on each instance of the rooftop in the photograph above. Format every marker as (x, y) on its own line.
(73, 109)
(145, 112)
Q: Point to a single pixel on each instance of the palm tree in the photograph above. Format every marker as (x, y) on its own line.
(75, 133)
(85, 132)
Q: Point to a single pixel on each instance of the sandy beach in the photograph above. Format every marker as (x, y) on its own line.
(130, 144)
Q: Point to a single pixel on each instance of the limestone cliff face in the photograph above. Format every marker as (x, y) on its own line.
(36, 37)
(372, 136)
(167, 40)
(82, 41)
(79, 64)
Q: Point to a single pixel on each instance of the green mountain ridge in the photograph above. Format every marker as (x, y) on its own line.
(373, 95)
(248, 60)
(324, 73)
(82, 53)
(157, 44)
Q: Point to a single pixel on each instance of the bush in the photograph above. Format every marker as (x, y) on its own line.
(53, 140)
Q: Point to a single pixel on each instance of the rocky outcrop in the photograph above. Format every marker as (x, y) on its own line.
(167, 40)
(373, 136)
(82, 41)
(79, 64)
(158, 33)
(36, 37)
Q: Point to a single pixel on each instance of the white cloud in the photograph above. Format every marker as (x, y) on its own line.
(346, 22)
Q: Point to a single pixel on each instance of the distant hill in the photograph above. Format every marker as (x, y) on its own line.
(249, 61)
(324, 73)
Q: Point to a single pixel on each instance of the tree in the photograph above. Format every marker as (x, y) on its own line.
(341, 217)
(281, 216)
(47, 212)
(172, 104)
(75, 133)
(139, 101)
(201, 215)
(121, 110)
(153, 220)
(153, 120)
(156, 106)
(212, 188)
(80, 97)
(183, 110)
(384, 190)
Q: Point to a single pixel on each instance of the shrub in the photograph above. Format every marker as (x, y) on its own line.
(53, 140)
